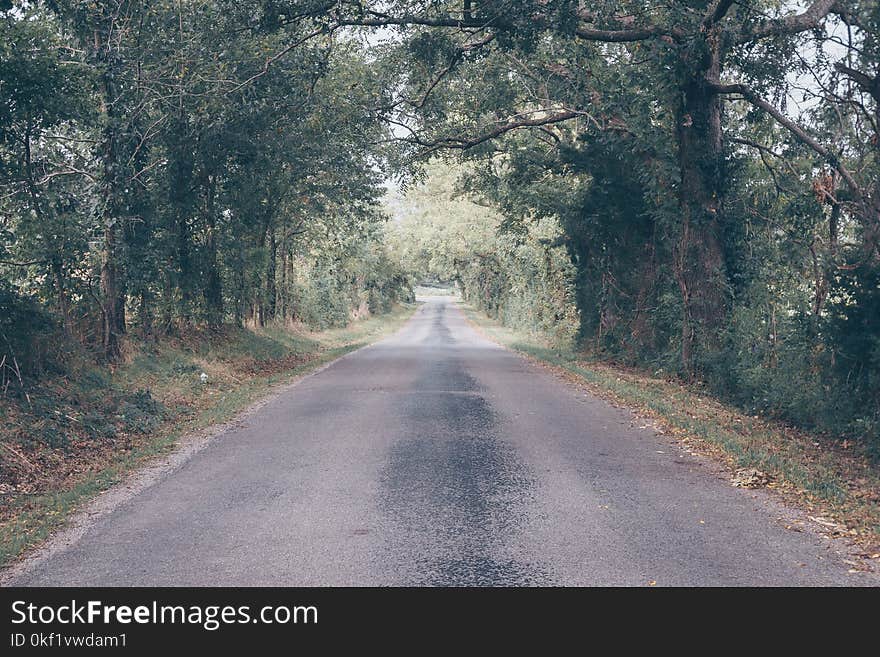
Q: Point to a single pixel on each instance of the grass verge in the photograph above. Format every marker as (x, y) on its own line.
(839, 488)
(72, 437)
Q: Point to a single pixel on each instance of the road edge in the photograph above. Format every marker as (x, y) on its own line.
(792, 515)
(152, 472)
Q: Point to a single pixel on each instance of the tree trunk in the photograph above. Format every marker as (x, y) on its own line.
(239, 278)
(699, 258)
(282, 296)
(167, 300)
(110, 209)
(184, 268)
(121, 295)
(109, 291)
(61, 291)
(180, 194)
(110, 305)
(271, 269)
(213, 285)
(145, 315)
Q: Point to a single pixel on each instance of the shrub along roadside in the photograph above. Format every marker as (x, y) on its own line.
(104, 425)
(838, 485)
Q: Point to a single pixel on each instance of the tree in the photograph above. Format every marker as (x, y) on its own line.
(174, 165)
(41, 154)
(692, 48)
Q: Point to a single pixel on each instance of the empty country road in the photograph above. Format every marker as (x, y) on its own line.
(436, 457)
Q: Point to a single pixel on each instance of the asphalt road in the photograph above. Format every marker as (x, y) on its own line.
(436, 457)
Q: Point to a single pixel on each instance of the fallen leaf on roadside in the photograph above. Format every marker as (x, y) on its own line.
(750, 478)
(836, 529)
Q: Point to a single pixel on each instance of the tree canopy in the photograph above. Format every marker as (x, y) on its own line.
(693, 186)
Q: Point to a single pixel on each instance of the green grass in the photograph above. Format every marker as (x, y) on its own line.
(807, 468)
(170, 371)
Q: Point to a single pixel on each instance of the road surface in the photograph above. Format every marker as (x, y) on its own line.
(436, 457)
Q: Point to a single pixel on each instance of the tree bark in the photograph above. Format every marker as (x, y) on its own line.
(213, 291)
(145, 315)
(271, 270)
(180, 194)
(699, 257)
(110, 290)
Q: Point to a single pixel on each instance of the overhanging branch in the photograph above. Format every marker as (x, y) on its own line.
(461, 143)
(748, 94)
(808, 19)
(625, 36)
(869, 85)
(717, 12)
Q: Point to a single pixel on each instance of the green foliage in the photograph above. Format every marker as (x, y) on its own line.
(635, 177)
(726, 237)
(29, 340)
(523, 278)
(156, 175)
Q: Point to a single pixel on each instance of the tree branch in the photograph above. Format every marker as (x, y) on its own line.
(377, 19)
(464, 144)
(718, 11)
(809, 19)
(29, 263)
(869, 85)
(281, 53)
(454, 60)
(832, 158)
(764, 149)
(625, 36)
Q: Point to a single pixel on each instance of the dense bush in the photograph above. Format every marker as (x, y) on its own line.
(525, 283)
(31, 341)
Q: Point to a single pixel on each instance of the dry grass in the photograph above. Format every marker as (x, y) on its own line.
(78, 435)
(837, 485)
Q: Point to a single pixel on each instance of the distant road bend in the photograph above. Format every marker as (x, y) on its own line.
(436, 457)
